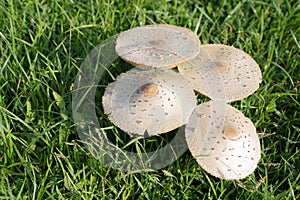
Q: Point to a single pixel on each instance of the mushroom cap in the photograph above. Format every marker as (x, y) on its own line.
(149, 102)
(222, 73)
(157, 46)
(223, 141)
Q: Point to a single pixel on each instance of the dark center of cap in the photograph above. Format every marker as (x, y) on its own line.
(156, 43)
(149, 89)
(221, 68)
(231, 132)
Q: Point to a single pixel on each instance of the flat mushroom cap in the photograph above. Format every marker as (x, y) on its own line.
(222, 73)
(149, 102)
(223, 141)
(157, 46)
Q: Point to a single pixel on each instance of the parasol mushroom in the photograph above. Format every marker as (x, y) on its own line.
(149, 102)
(157, 46)
(240, 75)
(223, 141)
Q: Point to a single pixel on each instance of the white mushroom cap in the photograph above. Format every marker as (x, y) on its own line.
(222, 73)
(149, 102)
(223, 141)
(159, 45)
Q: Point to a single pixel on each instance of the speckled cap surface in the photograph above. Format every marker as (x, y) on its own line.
(236, 74)
(223, 141)
(157, 46)
(149, 102)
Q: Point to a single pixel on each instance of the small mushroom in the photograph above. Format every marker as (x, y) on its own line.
(157, 46)
(223, 141)
(149, 102)
(222, 73)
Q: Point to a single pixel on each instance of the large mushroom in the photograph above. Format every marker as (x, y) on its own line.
(223, 141)
(157, 46)
(222, 72)
(149, 102)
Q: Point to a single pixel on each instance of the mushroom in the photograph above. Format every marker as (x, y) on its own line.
(149, 102)
(223, 141)
(157, 46)
(222, 73)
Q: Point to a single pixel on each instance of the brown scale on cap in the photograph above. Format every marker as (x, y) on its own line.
(231, 132)
(221, 68)
(149, 89)
(156, 43)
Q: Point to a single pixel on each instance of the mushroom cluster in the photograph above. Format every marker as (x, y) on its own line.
(153, 98)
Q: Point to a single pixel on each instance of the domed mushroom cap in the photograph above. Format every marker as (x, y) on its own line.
(149, 102)
(157, 46)
(240, 75)
(223, 141)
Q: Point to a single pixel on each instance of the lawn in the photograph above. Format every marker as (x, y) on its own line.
(42, 46)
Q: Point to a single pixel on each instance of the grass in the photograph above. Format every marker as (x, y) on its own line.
(42, 45)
